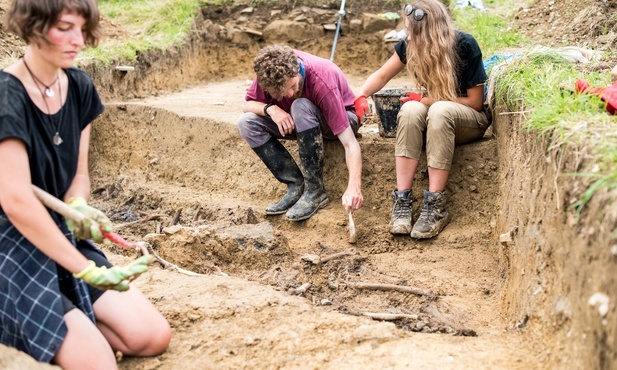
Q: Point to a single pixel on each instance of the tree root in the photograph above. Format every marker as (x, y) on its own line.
(145, 219)
(336, 256)
(391, 287)
(169, 265)
(390, 316)
(316, 260)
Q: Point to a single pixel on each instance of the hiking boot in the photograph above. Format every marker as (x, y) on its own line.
(433, 217)
(314, 198)
(400, 223)
(282, 165)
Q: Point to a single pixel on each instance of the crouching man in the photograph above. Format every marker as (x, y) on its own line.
(296, 95)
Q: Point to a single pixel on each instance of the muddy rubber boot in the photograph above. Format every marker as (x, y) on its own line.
(310, 146)
(284, 168)
(400, 223)
(434, 216)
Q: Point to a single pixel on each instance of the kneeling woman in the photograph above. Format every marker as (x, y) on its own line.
(61, 300)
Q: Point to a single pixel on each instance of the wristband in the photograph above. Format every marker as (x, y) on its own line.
(79, 200)
(266, 109)
(85, 271)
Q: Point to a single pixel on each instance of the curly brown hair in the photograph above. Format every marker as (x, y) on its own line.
(32, 19)
(274, 66)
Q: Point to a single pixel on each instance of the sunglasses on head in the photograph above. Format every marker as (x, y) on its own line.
(418, 14)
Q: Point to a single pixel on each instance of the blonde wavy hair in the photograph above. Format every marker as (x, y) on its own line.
(274, 66)
(432, 60)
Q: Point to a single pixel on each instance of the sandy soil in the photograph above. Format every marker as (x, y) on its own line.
(169, 168)
(186, 178)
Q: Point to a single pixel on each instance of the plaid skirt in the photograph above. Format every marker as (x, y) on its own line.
(31, 311)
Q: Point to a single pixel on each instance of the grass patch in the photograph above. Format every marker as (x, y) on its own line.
(494, 32)
(151, 24)
(531, 83)
(159, 24)
(578, 121)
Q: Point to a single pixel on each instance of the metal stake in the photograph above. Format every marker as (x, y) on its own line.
(341, 14)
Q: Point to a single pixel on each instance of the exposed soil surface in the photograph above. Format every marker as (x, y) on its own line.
(169, 168)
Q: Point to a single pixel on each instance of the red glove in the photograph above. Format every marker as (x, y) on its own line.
(361, 106)
(607, 94)
(409, 96)
(582, 86)
(610, 97)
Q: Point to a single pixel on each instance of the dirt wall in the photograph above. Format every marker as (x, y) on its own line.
(216, 49)
(555, 263)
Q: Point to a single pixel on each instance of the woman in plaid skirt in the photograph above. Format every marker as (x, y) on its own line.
(61, 300)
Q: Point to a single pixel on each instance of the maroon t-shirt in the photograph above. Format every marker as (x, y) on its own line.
(324, 84)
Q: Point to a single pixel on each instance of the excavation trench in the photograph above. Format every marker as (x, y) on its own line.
(173, 171)
(507, 284)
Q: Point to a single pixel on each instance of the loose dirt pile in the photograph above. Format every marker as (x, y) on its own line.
(170, 169)
(591, 25)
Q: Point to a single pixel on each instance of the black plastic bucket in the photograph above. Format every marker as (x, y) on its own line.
(387, 104)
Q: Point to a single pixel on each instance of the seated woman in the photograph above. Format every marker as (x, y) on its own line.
(447, 63)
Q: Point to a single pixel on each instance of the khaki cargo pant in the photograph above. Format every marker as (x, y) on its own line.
(444, 125)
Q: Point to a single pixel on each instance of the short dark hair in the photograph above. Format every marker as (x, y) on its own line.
(32, 19)
(274, 66)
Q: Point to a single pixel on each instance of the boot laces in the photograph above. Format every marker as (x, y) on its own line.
(428, 212)
(402, 208)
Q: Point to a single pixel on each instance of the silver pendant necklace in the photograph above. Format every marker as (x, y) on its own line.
(56, 139)
(48, 90)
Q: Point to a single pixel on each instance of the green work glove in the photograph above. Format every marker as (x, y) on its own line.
(116, 278)
(85, 229)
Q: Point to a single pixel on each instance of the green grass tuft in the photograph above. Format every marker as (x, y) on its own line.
(152, 24)
(493, 32)
(542, 83)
